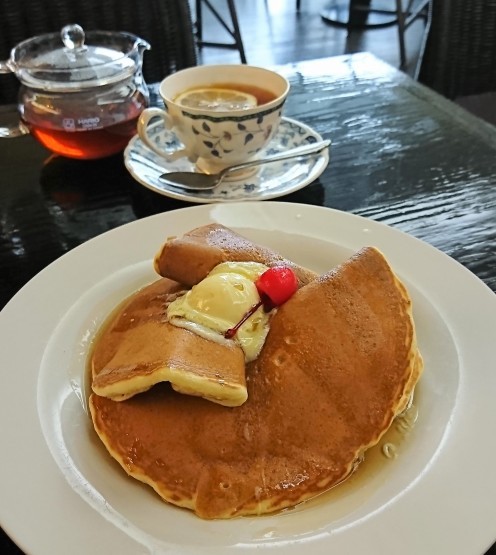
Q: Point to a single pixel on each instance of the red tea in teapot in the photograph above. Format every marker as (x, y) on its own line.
(86, 143)
(90, 133)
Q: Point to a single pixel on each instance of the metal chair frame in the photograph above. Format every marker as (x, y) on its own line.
(234, 31)
(402, 16)
(405, 18)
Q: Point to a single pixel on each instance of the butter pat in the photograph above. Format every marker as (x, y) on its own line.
(219, 302)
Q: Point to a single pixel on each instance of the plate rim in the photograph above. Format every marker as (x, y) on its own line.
(482, 301)
(317, 170)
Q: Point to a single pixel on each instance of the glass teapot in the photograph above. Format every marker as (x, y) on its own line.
(81, 94)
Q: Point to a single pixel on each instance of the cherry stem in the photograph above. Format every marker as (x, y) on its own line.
(231, 332)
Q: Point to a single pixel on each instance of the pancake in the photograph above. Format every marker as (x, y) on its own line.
(339, 363)
(190, 258)
(139, 349)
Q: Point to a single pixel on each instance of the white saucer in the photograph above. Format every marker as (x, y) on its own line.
(270, 181)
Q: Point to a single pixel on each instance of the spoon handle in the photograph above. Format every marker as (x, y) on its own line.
(304, 150)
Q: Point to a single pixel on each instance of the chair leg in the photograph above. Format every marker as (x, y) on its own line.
(408, 14)
(236, 32)
(401, 16)
(428, 22)
(198, 22)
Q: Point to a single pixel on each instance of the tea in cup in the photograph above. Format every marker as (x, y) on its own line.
(222, 114)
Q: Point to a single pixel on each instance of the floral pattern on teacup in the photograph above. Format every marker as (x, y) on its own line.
(224, 143)
(224, 137)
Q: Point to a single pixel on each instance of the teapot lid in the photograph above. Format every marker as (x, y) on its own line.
(72, 60)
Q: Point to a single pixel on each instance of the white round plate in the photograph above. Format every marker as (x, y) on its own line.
(270, 181)
(61, 492)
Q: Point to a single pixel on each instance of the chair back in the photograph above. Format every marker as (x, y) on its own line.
(460, 54)
(165, 24)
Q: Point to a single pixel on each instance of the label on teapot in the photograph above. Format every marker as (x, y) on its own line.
(82, 124)
(89, 123)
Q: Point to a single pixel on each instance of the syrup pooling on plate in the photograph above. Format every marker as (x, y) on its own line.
(371, 472)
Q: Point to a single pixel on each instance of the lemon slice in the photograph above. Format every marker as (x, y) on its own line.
(216, 100)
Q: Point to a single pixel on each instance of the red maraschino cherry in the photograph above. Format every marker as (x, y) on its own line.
(275, 286)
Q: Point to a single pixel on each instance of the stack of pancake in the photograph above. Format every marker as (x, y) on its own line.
(140, 348)
(339, 363)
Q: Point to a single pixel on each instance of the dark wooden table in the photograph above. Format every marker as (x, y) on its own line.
(401, 155)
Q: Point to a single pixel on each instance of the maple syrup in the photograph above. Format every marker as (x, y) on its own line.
(385, 454)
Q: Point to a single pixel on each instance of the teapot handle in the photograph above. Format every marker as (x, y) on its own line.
(4, 67)
(17, 129)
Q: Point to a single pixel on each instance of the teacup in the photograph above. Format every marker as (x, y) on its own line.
(216, 138)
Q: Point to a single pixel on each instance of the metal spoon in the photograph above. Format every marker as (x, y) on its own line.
(203, 181)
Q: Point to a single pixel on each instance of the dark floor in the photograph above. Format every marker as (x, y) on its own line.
(273, 32)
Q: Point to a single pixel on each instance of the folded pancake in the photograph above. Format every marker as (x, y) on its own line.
(339, 363)
(190, 258)
(139, 348)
